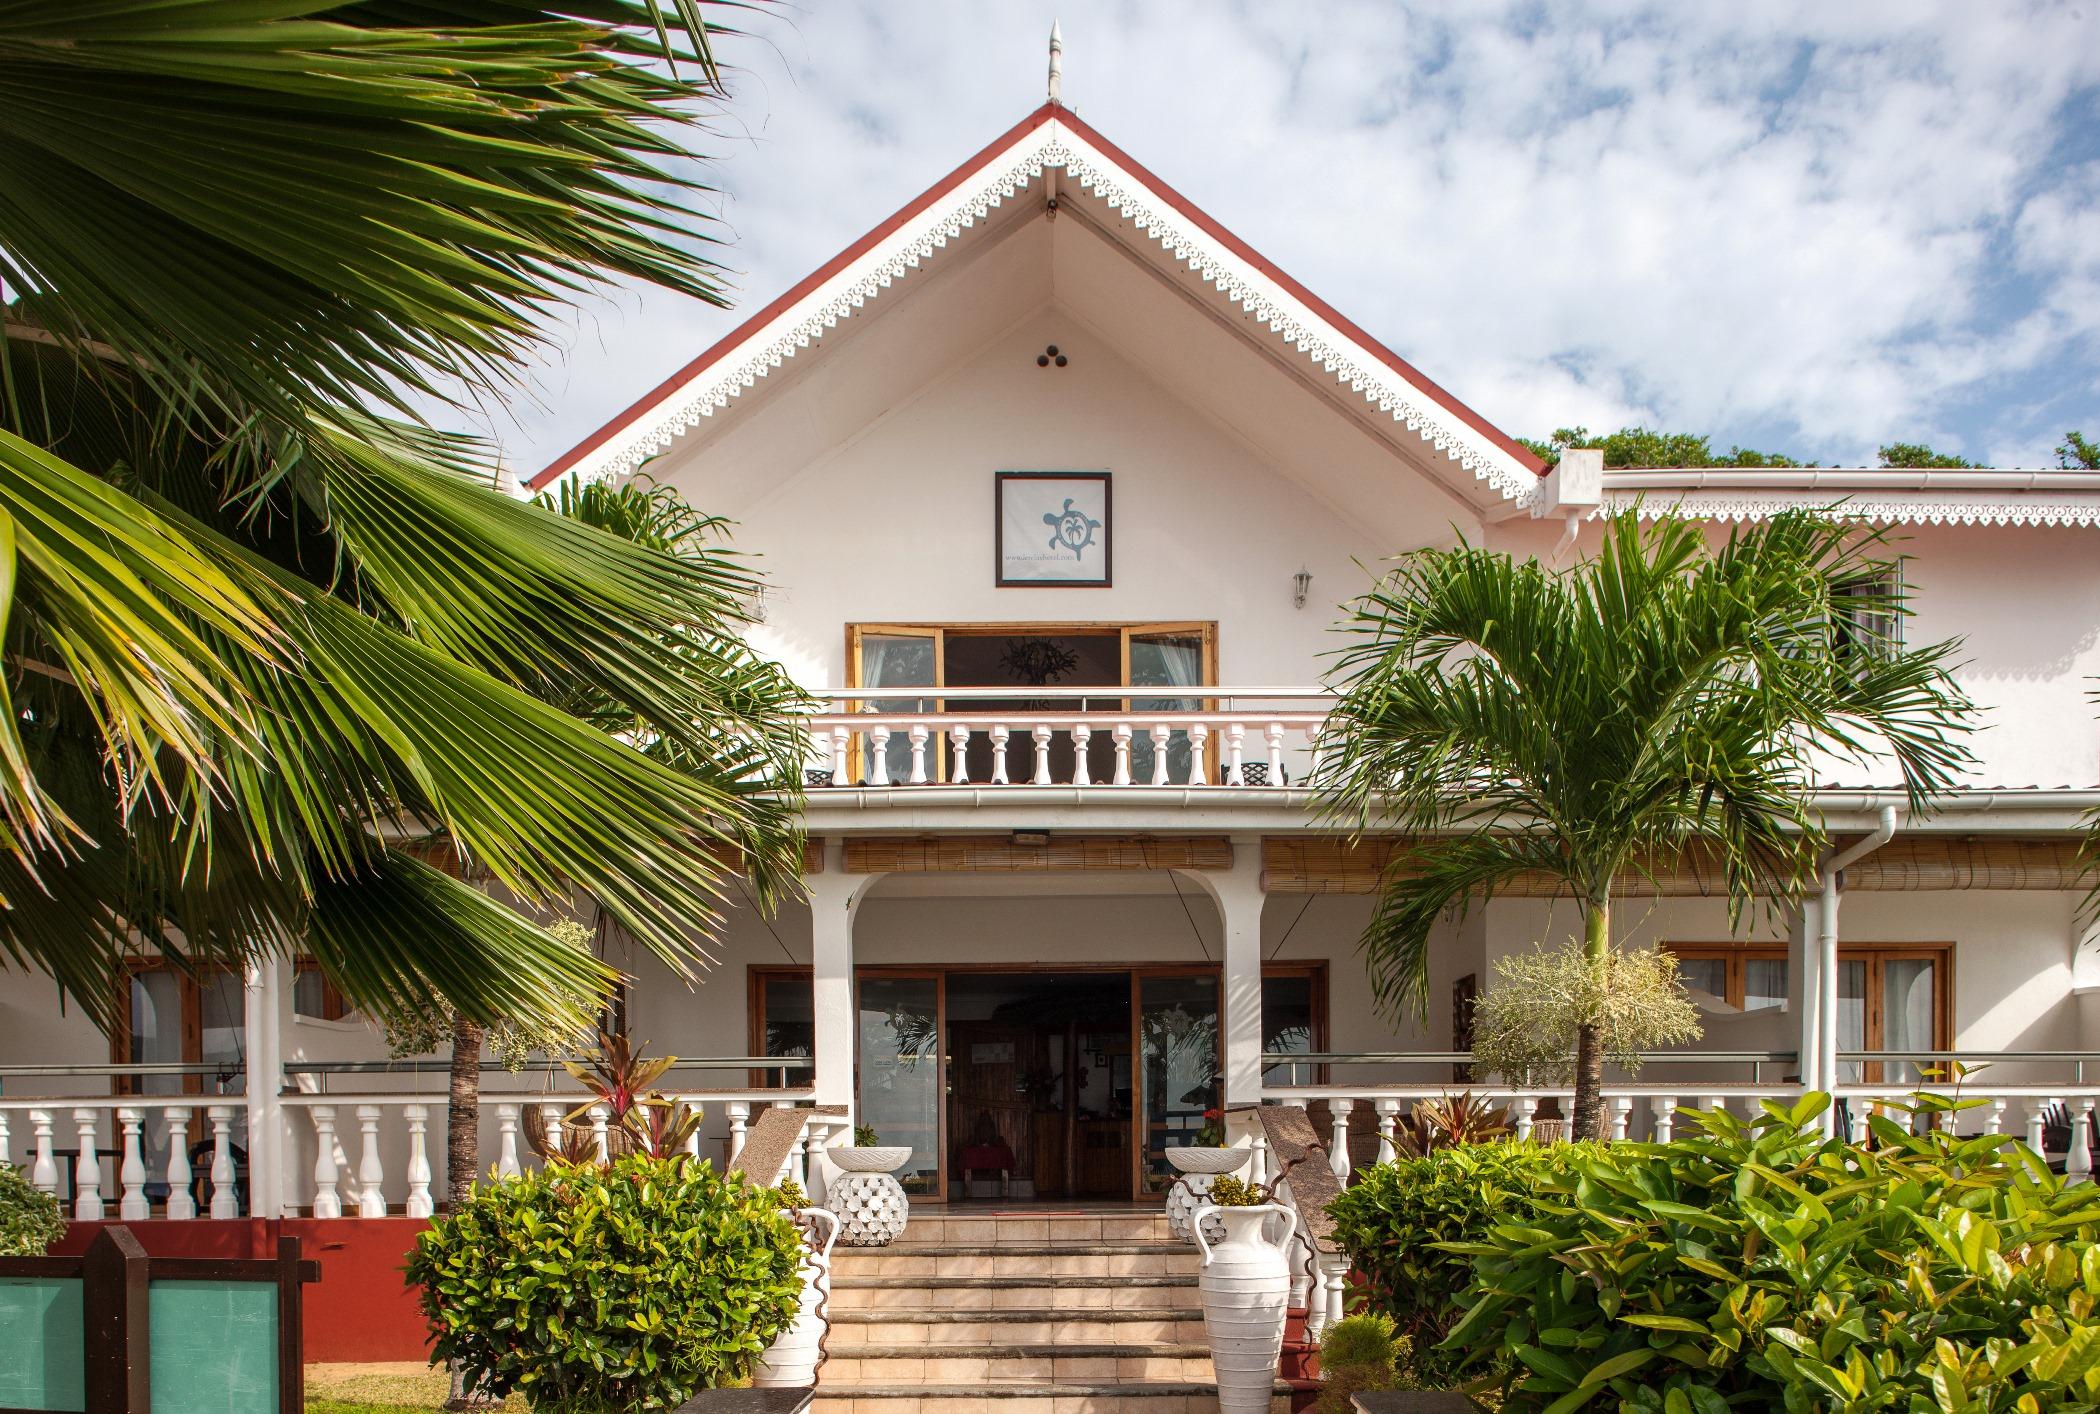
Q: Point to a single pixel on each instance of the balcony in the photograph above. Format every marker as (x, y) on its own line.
(1259, 738)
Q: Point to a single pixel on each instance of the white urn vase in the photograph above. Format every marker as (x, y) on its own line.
(1246, 1286)
(1197, 1165)
(866, 1196)
(791, 1361)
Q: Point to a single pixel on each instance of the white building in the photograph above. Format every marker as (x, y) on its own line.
(1065, 891)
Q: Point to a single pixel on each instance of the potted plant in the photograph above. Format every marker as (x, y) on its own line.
(791, 1361)
(1198, 1164)
(869, 1202)
(1246, 1286)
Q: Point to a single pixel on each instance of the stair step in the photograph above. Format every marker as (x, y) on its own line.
(1037, 1397)
(1037, 1231)
(1127, 1326)
(1002, 1283)
(981, 1350)
(1070, 1295)
(1035, 1362)
(1121, 1248)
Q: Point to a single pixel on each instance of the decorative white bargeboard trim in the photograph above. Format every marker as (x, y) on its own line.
(1882, 508)
(918, 240)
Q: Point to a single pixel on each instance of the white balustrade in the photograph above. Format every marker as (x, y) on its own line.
(1664, 1108)
(419, 1204)
(87, 1169)
(739, 1113)
(2078, 1163)
(371, 1174)
(1162, 738)
(918, 733)
(225, 1197)
(43, 1175)
(181, 1202)
(328, 1203)
(959, 753)
(1001, 734)
(1338, 1138)
(132, 1206)
(7, 1153)
(1235, 753)
(1042, 734)
(1388, 1122)
(1082, 738)
(1621, 1114)
(507, 1141)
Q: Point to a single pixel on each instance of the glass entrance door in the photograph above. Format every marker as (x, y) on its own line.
(1178, 1043)
(903, 1074)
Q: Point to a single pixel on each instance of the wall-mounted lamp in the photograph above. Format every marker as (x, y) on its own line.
(1301, 585)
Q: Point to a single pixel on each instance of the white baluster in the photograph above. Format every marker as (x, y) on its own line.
(1199, 763)
(601, 1132)
(798, 1160)
(1996, 1123)
(1338, 1139)
(1275, 733)
(1235, 748)
(2078, 1164)
(371, 1174)
(7, 1155)
(2037, 1116)
(1082, 737)
(1621, 1115)
(919, 733)
(1388, 1122)
(1042, 754)
(225, 1197)
(87, 1173)
(132, 1206)
(507, 1141)
(879, 756)
(551, 1119)
(840, 741)
(739, 1112)
(43, 1174)
(1122, 736)
(181, 1202)
(1162, 736)
(959, 753)
(1665, 1108)
(1862, 1109)
(1000, 734)
(419, 1204)
(1258, 1166)
(327, 1202)
(1524, 1107)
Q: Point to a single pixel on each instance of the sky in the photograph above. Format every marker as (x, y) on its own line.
(1806, 227)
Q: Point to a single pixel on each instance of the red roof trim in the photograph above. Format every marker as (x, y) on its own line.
(728, 342)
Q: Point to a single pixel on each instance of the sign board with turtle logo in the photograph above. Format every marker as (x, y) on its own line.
(1054, 528)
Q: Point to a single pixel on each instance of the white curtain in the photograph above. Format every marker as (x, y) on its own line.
(1163, 660)
(1907, 1010)
(897, 662)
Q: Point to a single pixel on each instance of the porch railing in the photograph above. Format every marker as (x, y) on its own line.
(1066, 736)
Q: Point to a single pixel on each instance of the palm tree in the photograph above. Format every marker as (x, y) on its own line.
(265, 633)
(1585, 725)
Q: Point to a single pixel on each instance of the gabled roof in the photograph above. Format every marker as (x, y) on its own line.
(1345, 360)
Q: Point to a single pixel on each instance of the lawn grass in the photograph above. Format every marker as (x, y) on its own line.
(394, 1388)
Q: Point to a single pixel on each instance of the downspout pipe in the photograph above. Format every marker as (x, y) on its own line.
(1824, 1073)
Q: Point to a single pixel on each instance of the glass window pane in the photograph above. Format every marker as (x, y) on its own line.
(787, 1026)
(900, 1072)
(1708, 975)
(1287, 1025)
(1852, 1017)
(1164, 660)
(222, 1024)
(898, 660)
(1907, 1010)
(1178, 1031)
(1764, 983)
(310, 994)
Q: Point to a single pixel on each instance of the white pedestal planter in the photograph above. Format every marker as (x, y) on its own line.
(1198, 1165)
(866, 1196)
(1246, 1285)
(791, 1360)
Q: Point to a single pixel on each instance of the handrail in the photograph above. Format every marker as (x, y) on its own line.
(229, 1069)
(1106, 691)
(550, 1063)
(1270, 1058)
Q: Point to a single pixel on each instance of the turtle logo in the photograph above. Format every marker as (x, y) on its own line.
(1071, 529)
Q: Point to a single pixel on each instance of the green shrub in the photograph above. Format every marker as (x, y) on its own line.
(30, 1220)
(1359, 1353)
(1390, 1222)
(1756, 1265)
(591, 1289)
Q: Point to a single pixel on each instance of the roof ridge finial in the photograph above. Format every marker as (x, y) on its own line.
(1057, 64)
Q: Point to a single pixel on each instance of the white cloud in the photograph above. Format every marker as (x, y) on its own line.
(1809, 226)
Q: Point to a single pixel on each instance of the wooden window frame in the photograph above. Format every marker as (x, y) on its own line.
(333, 1008)
(1874, 955)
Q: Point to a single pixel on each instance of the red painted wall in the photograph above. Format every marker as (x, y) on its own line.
(361, 1309)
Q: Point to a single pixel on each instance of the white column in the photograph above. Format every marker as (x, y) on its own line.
(419, 1202)
(1804, 967)
(266, 1014)
(181, 1202)
(132, 1206)
(87, 1172)
(1237, 892)
(834, 896)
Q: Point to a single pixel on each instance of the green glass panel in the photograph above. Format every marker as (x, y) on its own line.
(214, 1348)
(42, 1344)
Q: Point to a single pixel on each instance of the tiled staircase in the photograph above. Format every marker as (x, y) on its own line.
(1061, 1313)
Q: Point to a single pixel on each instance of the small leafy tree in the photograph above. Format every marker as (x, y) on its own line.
(1916, 455)
(2076, 453)
(1645, 447)
(1528, 1026)
(30, 1219)
(1521, 723)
